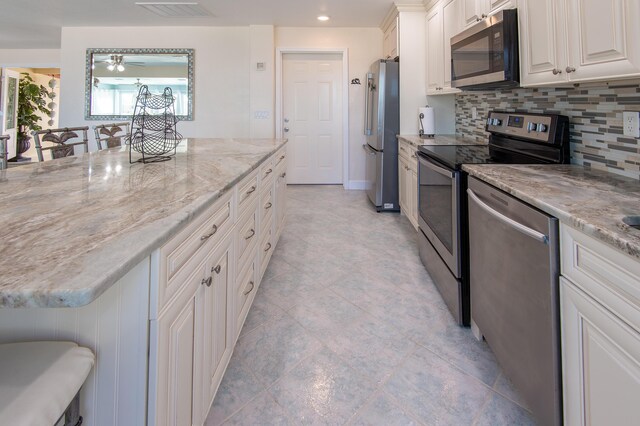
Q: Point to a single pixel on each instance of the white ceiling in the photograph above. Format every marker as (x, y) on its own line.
(37, 23)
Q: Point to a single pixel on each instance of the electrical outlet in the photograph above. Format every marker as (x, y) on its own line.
(261, 115)
(631, 124)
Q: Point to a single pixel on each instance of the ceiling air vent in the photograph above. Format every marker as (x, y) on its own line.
(175, 9)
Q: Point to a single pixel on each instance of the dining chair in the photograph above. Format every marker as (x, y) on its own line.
(111, 135)
(3, 151)
(64, 141)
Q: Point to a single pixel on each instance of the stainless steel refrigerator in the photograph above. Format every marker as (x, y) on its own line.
(382, 125)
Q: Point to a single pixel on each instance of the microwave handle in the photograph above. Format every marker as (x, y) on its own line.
(368, 106)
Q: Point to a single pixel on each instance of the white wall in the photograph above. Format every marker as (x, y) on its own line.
(365, 46)
(262, 83)
(30, 58)
(222, 58)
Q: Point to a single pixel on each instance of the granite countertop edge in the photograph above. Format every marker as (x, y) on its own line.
(617, 236)
(84, 288)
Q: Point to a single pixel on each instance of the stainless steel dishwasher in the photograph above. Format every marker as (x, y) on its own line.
(514, 275)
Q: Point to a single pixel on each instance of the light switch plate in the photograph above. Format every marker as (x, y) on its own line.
(631, 124)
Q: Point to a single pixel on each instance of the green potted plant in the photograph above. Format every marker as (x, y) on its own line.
(31, 99)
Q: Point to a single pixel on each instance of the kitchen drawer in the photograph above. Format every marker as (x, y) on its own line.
(265, 249)
(247, 235)
(606, 274)
(266, 206)
(267, 171)
(191, 245)
(245, 289)
(247, 192)
(280, 156)
(405, 149)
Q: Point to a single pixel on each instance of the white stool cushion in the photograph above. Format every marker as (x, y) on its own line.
(38, 380)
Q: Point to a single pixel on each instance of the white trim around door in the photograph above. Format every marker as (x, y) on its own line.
(280, 52)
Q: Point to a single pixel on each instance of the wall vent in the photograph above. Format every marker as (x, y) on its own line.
(175, 9)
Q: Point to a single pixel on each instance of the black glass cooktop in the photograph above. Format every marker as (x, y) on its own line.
(454, 156)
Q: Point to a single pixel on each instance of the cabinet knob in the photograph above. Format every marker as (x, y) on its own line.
(484, 15)
(217, 269)
(569, 70)
(207, 281)
(556, 71)
(283, 175)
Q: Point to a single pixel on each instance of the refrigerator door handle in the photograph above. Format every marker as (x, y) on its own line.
(367, 105)
(368, 149)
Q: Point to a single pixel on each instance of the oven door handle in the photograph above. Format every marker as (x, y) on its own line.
(441, 170)
(540, 237)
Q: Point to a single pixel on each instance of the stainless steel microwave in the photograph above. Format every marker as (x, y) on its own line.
(486, 55)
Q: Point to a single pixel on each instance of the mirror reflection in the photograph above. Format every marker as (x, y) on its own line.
(114, 77)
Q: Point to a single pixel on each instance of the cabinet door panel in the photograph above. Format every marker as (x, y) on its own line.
(601, 362)
(414, 197)
(452, 25)
(218, 335)
(435, 57)
(472, 11)
(542, 42)
(604, 38)
(402, 185)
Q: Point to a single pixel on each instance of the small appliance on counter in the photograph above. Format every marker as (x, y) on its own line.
(515, 138)
(382, 125)
(427, 120)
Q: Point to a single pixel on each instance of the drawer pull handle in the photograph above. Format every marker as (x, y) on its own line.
(252, 189)
(282, 158)
(251, 289)
(268, 247)
(283, 175)
(207, 281)
(268, 172)
(217, 269)
(214, 229)
(252, 232)
(268, 206)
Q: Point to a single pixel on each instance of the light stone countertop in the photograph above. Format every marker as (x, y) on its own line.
(589, 200)
(416, 140)
(72, 227)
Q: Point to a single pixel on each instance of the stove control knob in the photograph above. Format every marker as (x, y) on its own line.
(496, 122)
(541, 128)
(531, 127)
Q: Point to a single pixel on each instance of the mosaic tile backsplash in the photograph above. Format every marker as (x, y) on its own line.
(595, 114)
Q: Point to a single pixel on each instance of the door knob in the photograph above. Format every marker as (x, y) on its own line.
(286, 120)
(286, 129)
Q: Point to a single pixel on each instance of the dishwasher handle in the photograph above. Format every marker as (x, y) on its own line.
(540, 237)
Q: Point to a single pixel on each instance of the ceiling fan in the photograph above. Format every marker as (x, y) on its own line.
(117, 63)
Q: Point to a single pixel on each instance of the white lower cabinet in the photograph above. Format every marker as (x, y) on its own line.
(408, 182)
(600, 317)
(203, 297)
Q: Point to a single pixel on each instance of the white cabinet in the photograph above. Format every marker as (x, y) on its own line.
(600, 317)
(408, 181)
(578, 40)
(476, 10)
(280, 196)
(444, 21)
(390, 40)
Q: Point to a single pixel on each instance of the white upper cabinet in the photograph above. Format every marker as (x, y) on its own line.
(390, 40)
(604, 39)
(578, 40)
(542, 50)
(435, 54)
(443, 22)
(476, 10)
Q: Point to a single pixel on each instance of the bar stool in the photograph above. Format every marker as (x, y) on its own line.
(40, 382)
(64, 141)
(111, 135)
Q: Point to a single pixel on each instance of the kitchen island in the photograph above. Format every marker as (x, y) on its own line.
(152, 266)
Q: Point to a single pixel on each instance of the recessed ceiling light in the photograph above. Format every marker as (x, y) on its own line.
(323, 18)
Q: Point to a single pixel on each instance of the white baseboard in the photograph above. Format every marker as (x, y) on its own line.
(357, 185)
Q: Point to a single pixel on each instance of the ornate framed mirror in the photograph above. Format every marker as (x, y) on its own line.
(114, 76)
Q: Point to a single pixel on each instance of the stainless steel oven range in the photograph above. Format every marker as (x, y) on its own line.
(514, 138)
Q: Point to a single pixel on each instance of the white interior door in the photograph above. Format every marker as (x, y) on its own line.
(312, 117)
(9, 108)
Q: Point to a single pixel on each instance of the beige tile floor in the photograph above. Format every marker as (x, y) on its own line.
(347, 328)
